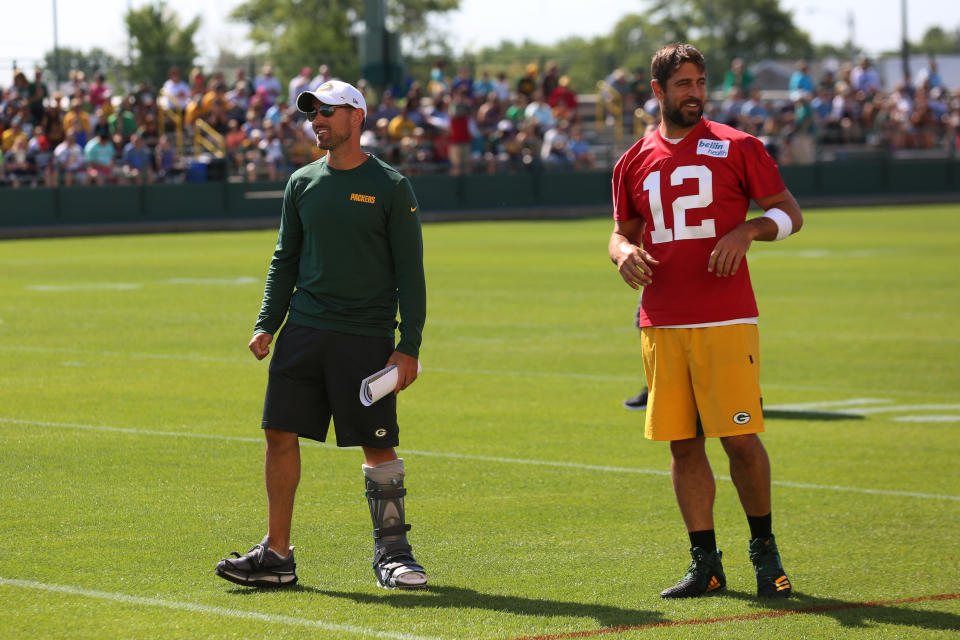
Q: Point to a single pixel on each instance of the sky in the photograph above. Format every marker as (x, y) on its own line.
(99, 23)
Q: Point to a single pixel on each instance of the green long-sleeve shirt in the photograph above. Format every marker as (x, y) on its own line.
(348, 255)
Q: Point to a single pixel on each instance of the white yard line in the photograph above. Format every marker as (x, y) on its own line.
(930, 418)
(467, 456)
(192, 607)
(852, 402)
(86, 286)
(908, 407)
(127, 354)
(240, 280)
(573, 375)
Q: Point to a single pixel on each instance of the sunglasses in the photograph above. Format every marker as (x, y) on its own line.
(326, 110)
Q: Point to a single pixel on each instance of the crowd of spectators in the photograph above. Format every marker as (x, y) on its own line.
(85, 132)
(842, 108)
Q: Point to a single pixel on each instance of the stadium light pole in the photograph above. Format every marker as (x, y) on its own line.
(56, 47)
(851, 22)
(129, 47)
(851, 33)
(904, 42)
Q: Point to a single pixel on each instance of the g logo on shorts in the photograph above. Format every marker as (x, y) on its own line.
(381, 432)
(741, 417)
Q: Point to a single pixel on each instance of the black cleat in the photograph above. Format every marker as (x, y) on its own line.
(637, 402)
(705, 574)
(772, 580)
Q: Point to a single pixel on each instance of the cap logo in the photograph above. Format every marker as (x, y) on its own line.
(325, 86)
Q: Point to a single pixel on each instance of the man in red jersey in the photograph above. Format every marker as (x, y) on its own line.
(680, 198)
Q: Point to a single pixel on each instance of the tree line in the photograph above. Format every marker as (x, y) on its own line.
(292, 34)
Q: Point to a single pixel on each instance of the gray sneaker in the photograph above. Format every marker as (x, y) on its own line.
(259, 567)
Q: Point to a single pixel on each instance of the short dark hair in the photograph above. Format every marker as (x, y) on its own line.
(668, 60)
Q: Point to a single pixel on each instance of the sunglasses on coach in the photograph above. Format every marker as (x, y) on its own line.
(326, 110)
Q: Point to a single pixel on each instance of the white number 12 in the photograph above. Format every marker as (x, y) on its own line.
(704, 197)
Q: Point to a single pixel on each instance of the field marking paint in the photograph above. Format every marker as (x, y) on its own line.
(845, 606)
(854, 408)
(933, 418)
(532, 374)
(241, 280)
(145, 432)
(909, 407)
(880, 492)
(120, 354)
(874, 337)
(480, 458)
(852, 402)
(131, 286)
(817, 388)
(88, 286)
(816, 254)
(542, 463)
(189, 357)
(271, 618)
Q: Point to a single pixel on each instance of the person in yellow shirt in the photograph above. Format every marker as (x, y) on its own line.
(76, 116)
(403, 124)
(10, 136)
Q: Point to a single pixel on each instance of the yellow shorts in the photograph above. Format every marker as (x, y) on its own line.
(703, 381)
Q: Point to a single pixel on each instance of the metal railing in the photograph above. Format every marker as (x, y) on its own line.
(640, 121)
(610, 102)
(163, 113)
(207, 137)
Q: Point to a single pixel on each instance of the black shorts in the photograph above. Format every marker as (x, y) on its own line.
(316, 373)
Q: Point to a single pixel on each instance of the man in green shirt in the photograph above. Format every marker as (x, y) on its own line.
(349, 255)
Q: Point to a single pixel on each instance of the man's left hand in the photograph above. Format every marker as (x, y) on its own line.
(406, 370)
(729, 251)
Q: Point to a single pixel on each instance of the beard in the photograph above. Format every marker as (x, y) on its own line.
(332, 140)
(678, 116)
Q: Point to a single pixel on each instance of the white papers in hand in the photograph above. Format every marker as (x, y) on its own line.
(379, 384)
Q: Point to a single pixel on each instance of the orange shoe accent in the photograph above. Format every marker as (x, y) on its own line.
(782, 583)
(714, 583)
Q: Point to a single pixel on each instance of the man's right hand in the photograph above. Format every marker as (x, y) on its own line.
(634, 263)
(260, 345)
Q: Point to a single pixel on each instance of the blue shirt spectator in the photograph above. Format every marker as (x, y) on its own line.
(930, 76)
(800, 81)
(484, 85)
(135, 154)
(822, 104)
(463, 82)
(275, 112)
(864, 77)
(100, 151)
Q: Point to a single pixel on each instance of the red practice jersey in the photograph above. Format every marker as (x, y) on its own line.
(690, 194)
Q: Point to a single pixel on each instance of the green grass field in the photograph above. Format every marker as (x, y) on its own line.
(131, 455)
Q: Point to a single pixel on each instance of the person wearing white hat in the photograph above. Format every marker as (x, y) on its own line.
(333, 93)
(348, 257)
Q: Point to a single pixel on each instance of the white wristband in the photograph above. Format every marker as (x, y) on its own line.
(783, 221)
